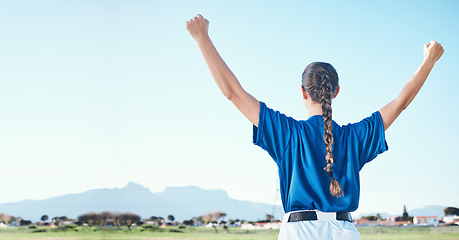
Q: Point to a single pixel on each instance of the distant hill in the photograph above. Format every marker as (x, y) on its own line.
(430, 210)
(182, 202)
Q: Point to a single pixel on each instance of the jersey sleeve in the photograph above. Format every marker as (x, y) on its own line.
(371, 137)
(273, 133)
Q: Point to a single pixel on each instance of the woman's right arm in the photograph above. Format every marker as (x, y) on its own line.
(225, 79)
(432, 52)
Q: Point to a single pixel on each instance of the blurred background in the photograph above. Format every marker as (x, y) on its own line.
(94, 94)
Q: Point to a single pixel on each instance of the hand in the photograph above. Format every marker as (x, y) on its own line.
(198, 27)
(433, 51)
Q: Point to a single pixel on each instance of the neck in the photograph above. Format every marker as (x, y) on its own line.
(314, 108)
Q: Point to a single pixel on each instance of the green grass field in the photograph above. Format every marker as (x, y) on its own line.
(171, 233)
(398, 233)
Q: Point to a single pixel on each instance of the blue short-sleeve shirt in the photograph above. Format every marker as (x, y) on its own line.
(298, 149)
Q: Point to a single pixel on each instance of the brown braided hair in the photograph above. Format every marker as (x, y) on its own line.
(320, 81)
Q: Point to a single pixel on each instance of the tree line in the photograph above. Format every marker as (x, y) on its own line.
(128, 219)
(115, 219)
(109, 218)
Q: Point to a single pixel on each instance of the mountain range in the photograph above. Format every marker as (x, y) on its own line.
(181, 202)
(429, 210)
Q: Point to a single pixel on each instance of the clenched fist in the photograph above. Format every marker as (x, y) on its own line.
(433, 50)
(198, 27)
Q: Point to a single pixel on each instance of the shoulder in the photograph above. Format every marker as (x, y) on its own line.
(367, 132)
(268, 112)
(373, 119)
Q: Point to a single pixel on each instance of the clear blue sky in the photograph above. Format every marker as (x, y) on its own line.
(94, 94)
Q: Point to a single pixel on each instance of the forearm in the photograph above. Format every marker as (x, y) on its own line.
(414, 84)
(392, 110)
(225, 79)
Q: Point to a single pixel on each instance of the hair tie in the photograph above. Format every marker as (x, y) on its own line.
(330, 174)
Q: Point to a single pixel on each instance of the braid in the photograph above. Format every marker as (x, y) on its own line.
(320, 81)
(325, 101)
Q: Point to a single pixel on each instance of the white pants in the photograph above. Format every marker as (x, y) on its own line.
(325, 228)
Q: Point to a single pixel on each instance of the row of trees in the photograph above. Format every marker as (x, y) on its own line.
(109, 219)
(128, 219)
(211, 217)
(6, 219)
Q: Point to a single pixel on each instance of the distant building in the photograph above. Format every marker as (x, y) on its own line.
(398, 221)
(394, 219)
(448, 219)
(362, 221)
(426, 220)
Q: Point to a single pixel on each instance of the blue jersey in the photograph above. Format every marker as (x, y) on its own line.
(298, 149)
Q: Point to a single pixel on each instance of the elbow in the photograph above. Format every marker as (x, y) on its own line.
(404, 105)
(232, 93)
(401, 105)
(229, 96)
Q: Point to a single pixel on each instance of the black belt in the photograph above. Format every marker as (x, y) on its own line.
(311, 215)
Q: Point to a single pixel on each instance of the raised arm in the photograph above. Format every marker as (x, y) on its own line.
(225, 79)
(432, 52)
